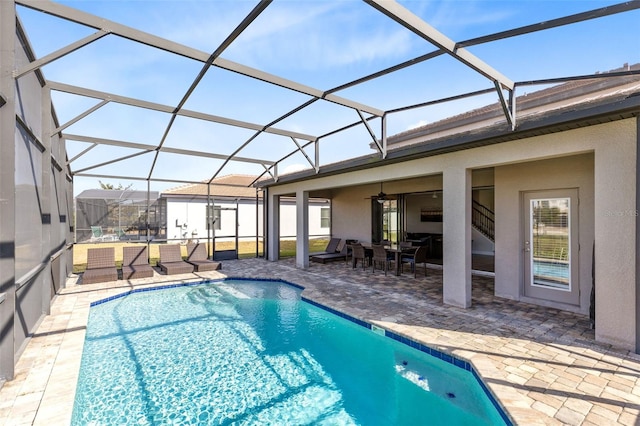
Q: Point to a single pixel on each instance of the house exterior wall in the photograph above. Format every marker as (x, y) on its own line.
(288, 219)
(192, 212)
(612, 223)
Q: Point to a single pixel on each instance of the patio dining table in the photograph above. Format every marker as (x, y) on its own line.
(397, 251)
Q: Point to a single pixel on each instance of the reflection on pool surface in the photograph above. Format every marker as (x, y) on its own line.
(251, 352)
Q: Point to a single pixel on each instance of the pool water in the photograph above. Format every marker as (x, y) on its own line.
(551, 270)
(252, 352)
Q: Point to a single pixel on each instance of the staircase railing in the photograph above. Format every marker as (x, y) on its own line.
(483, 219)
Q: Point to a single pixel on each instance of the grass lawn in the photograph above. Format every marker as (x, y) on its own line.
(245, 249)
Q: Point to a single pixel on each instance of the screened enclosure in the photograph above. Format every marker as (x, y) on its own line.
(119, 215)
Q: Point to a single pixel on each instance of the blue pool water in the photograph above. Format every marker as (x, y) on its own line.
(252, 352)
(551, 270)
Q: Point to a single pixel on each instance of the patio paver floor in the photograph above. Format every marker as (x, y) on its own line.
(543, 364)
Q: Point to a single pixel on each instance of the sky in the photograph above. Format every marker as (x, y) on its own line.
(321, 44)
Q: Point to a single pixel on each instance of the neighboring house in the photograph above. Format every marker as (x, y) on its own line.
(180, 214)
(562, 190)
(117, 214)
(237, 209)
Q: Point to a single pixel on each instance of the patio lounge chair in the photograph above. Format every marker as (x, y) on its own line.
(332, 247)
(197, 256)
(171, 260)
(101, 266)
(135, 263)
(340, 254)
(96, 234)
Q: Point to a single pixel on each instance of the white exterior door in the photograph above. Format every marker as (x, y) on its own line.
(551, 245)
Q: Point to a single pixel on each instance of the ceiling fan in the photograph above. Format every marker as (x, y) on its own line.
(381, 197)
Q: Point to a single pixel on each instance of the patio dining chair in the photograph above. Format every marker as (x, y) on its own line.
(135, 263)
(380, 257)
(357, 253)
(419, 257)
(171, 260)
(101, 266)
(197, 256)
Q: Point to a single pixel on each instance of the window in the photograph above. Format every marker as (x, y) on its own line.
(213, 211)
(325, 217)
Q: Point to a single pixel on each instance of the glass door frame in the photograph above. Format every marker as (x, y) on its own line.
(534, 283)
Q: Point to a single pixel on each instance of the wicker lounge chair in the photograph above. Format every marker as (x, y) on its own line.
(171, 260)
(197, 256)
(101, 266)
(135, 263)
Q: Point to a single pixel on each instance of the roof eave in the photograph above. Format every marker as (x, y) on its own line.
(554, 122)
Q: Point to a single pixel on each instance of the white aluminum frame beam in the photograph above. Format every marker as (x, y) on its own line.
(91, 93)
(415, 24)
(80, 116)
(381, 147)
(165, 149)
(301, 149)
(257, 10)
(60, 53)
(87, 19)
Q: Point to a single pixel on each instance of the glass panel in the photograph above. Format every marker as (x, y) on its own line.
(325, 217)
(215, 212)
(550, 242)
(390, 221)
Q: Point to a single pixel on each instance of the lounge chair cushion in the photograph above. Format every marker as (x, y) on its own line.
(332, 247)
(197, 256)
(330, 257)
(101, 266)
(135, 263)
(171, 260)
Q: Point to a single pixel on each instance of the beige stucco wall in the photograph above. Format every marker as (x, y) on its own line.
(510, 182)
(614, 149)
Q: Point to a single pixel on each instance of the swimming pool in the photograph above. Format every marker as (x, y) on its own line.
(253, 352)
(552, 270)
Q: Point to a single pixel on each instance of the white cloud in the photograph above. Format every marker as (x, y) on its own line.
(293, 168)
(418, 124)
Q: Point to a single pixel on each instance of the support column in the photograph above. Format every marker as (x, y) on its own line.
(7, 189)
(637, 216)
(302, 229)
(457, 237)
(615, 232)
(273, 227)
